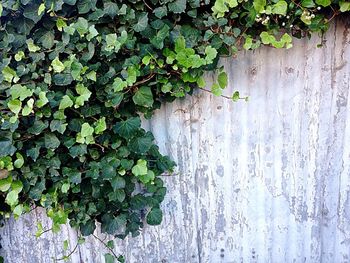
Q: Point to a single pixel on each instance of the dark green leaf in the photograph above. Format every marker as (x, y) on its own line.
(143, 97)
(127, 128)
(118, 182)
(141, 144)
(51, 141)
(88, 228)
(154, 217)
(177, 7)
(141, 23)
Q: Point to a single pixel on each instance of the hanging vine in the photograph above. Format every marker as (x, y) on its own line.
(76, 75)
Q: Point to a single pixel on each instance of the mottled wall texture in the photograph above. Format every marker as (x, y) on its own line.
(261, 181)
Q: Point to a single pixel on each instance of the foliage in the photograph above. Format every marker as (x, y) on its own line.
(76, 75)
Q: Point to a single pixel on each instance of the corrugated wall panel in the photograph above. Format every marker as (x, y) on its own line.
(261, 181)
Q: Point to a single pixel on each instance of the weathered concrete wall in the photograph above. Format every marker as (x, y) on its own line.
(263, 181)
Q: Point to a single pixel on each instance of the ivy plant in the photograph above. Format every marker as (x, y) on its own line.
(77, 75)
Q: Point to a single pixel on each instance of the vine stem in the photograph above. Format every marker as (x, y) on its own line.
(226, 97)
(45, 231)
(150, 8)
(70, 253)
(104, 243)
(241, 36)
(144, 80)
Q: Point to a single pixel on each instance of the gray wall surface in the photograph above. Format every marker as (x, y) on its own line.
(261, 181)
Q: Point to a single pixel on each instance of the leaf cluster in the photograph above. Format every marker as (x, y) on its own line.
(76, 75)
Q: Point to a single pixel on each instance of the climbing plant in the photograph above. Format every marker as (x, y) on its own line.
(77, 75)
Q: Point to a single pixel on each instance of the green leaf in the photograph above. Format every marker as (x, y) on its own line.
(84, 95)
(33, 153)
(28, 108)
(112, 43)
(19, 56)
(236, 96)
(119, 84)
(280, 8)
(5, 184)
(21, 92)
(81, 26)
(15, 106)
(118, 182)
(17, 186)
(110, 8)
(132, 75)
(12, 198)
(42, 99)
(110, 244)
(17, 211)
(211, 54)
(38, 127)
(180, 44)
(31, 11)
(177, 7)
(88, 228)
(344, 6)
(143, 97)
(47, 40)
(141, 144)
(62, 79)
(9, 74)
(222, 6)
(58, 125)
(146, 178)
(308, 3)
(141, 23)
(65, 187)
(51, 141)
(140, 168)
(216, 89)
(57, 65)
(41, 9)
(259, 5)
(100, 125)
(78, 150)
(127, 128)
(110, 224)
(86, 130)
(323, 3)
(222, 80)
(160, 11)
(84, 6)
(91, 75)
(201, 82)
(154, 217)
(66, 102)
(146, 60)
(109, 258)
(60, 24)
(31, 46)
(19, 161)
(74, 176)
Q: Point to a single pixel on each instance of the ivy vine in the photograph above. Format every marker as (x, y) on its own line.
(76, 75)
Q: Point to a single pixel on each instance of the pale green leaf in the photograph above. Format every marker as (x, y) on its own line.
(15, 106)
(140, 168)
(66, 102)
(57, 65)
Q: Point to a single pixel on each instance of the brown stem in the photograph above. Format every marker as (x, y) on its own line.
(226, 97)
(104, 243)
